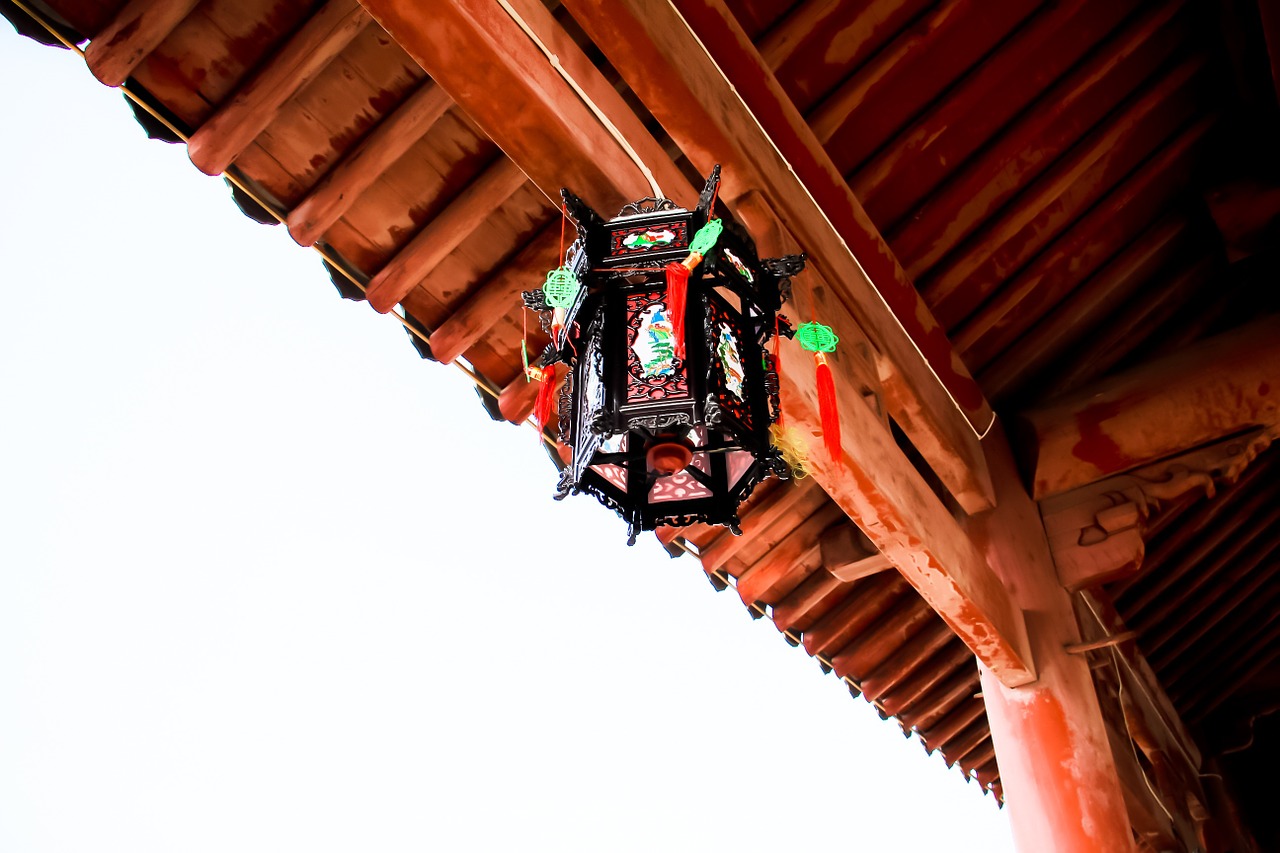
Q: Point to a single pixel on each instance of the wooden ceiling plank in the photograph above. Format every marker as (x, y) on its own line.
(1099, 297)
(766, 148)
(1218, 388)
(329, 199)
(1236, 675)
(877, 643)
(922, 702)
(443, 234)
(1108, 217)
(1171, 584)
(1170, 548)
(906, 659)
(873, 482)
(131, 36)
(788, 555)
(1096, 162)
(925, 153)
(1141, 317)
(1260, 578)
(863, 603)
(780, 502)
(1182, 673)
(1199, 608)
(795, 611)
(238, 122)
(906, 76)
(815, 44)
(478, 313)
(951, 725)
(967, 742)
(953, 211)
(834, 111)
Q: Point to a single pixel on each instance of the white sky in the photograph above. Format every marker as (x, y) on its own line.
(270, 582)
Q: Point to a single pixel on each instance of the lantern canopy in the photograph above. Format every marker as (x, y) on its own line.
(666, 431)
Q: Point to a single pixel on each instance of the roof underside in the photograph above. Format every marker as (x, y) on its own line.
(1061, 181)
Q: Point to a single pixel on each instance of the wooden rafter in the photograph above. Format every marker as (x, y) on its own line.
(239, 121)
(444, 233)
(343, 185)
(133, 33)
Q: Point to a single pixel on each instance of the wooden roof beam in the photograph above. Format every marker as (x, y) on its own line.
(443, 234)
(329, 199)
(1220, 387)
(495, 62)
(239, 121)
(136, 30)
(766, 147)
(873, 482)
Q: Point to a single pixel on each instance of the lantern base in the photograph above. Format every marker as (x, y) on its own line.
(668, 457)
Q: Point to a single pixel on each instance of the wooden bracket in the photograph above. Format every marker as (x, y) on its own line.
(1096, 532)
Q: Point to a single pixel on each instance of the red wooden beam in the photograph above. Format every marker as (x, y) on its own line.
(491, 67)
(1210, 391)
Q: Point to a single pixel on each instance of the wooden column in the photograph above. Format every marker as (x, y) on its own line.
(1059, 778)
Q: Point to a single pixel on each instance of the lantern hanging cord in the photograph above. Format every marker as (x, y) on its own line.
(617, 135)
(981, 434)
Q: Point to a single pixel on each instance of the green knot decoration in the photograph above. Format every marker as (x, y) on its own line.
(816, 337)
(561, 288)
(706, 237)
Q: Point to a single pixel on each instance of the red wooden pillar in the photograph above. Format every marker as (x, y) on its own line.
(1059, 779)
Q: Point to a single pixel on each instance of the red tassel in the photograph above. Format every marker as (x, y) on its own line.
(827, 408)
(677, 291)
(546, 398)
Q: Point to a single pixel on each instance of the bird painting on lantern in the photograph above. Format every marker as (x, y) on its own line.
(655, 342)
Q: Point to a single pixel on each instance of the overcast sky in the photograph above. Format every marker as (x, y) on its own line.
(270, 582)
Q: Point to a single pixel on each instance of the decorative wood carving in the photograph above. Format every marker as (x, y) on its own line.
(1097, 532)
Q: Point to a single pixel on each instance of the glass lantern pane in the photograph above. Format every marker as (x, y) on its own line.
(739, 463)
(615, 475)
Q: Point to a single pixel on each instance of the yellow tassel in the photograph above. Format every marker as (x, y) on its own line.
(794, 449)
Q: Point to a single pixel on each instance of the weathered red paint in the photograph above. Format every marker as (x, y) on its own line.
(1095, 446)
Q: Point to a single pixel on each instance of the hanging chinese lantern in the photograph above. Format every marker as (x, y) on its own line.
(671, 388)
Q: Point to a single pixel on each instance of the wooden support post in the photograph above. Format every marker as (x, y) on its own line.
(338, 190)
(132, 35)
(1212, 390)
(235, 125)
(1059, 778)
(442, 235)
